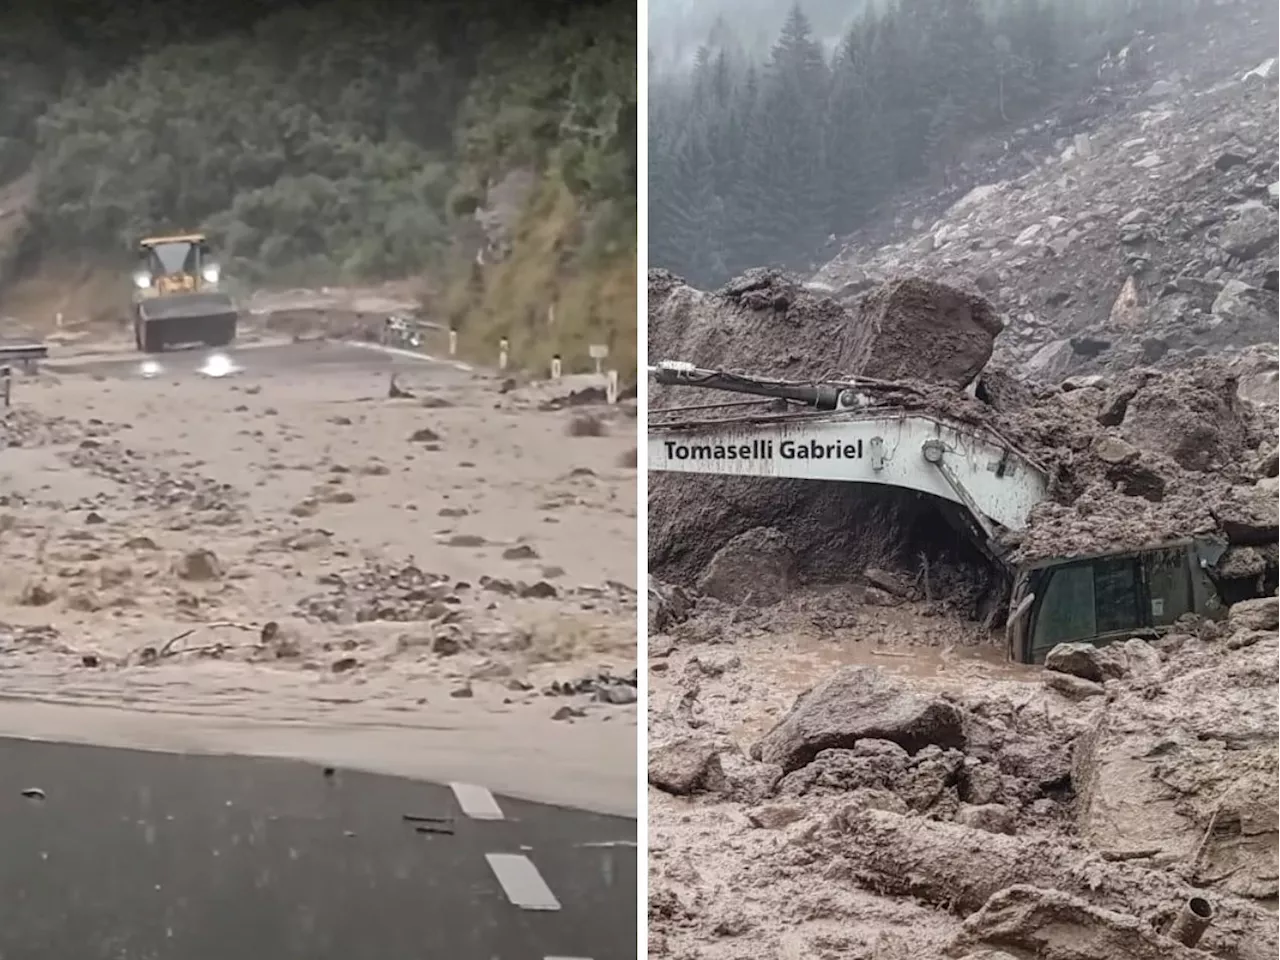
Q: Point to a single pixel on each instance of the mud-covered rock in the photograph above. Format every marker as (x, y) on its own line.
(1260, 614)
(991, 817)
(1073, 688)
(918, 329)
(860, 703)
(868, 764)
(745, 780)
(199, 565)
(1086, 661)
(1196, 421)
(685, 765)
(756, 567)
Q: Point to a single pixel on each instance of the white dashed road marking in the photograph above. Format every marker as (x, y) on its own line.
(476, 802)
(522, 882)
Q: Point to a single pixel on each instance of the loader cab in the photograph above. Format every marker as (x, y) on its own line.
(1108, 597)
(178, 264)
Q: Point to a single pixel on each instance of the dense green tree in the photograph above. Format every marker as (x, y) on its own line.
(330, 140)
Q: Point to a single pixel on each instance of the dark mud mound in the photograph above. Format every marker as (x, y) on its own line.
(757, 567)
(761, 322)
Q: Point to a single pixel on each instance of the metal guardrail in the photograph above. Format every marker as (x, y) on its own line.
(25, 354)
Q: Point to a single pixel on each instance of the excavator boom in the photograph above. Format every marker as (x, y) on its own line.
(841, 432)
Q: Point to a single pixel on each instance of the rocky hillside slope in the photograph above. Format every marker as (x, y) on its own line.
(1137, 227)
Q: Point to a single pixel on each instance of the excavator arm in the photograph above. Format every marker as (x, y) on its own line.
(845, 436)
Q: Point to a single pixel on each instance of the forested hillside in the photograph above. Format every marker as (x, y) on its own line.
(759, 162)
(334, 142)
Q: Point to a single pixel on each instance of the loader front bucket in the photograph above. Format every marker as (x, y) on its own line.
(208, 318)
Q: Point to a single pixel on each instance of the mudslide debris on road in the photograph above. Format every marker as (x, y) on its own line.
(290, 543)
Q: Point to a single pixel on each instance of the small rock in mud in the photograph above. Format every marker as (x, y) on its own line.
(463, 692)
(199, 565)
(991, 817)
(684, 765)
(774, 816)
(521, 551)
(1071, 687)
(424, 435)
(586, 426)
(37, 595)
(140, 543)
(1086, 661)
(344, 665)
(306, 540)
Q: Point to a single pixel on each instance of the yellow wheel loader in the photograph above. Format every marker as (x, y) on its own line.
(177, 298)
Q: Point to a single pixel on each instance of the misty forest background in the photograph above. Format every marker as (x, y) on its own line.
(332, 142)
(757, 157)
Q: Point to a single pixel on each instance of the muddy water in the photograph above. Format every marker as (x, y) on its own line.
(782, 667)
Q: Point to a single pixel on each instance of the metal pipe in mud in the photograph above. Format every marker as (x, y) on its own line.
(1191, 922)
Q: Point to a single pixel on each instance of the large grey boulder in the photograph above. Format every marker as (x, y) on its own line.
(860, 703)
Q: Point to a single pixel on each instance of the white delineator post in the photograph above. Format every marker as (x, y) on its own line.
(453, 342)
(598, 352)
(503, 353)
(611, 389)
(555, 367)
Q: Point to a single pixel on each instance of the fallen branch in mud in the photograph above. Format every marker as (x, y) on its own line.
(150, 654)
(959, 869)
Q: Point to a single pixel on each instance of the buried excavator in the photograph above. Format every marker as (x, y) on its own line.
(178, 298)
(855, 432)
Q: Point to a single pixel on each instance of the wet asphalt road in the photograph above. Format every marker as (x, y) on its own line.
(252, 360)
(132, 855)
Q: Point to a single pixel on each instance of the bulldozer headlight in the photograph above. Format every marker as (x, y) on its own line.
(211, 272)
(142, 280)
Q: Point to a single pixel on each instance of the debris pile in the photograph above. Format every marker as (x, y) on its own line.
(1152, 455)
(163, 489)
(1083, 811)
(383, 592)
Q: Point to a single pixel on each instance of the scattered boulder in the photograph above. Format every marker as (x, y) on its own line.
(860, 703)
(1261, 614)
(918, 329)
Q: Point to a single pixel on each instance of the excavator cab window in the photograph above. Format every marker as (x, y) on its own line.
(1110, 598)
